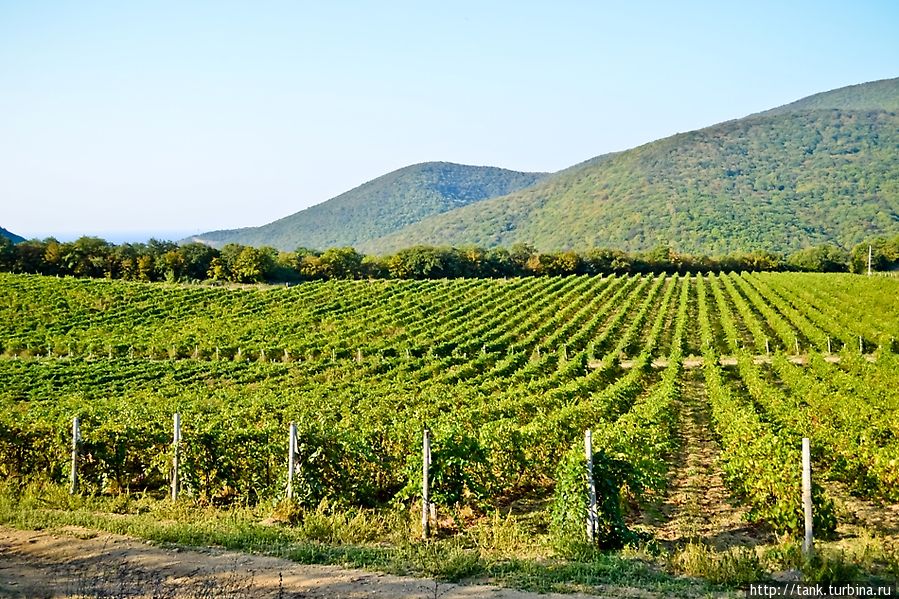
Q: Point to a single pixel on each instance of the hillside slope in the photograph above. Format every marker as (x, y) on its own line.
(11, 236)
(796, 176)
(875, 95)
(381, 206)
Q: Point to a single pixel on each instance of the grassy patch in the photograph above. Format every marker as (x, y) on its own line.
(385, 540)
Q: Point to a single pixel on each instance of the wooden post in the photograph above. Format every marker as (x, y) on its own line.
(829, 349)
(176, 451)
(808, 542)
(291, 457)
(591, 487)
(767, 347)
(76, 441)
(861, 345)
(425, 495)
(870, 256)
(797, 346)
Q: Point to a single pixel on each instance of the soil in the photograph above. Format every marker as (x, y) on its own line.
(697, 506)
(77, 562)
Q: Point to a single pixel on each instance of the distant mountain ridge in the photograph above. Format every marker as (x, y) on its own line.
(11, 236)
(380, 207)
(875, 95)
(824, 169)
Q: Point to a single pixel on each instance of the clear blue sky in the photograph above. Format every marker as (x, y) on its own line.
(190, 116)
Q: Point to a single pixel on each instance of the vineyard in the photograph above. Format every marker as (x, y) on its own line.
(507, 374)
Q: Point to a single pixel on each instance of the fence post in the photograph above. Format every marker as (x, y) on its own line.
(425, 495)
(808, 542)
(797, 347)
(591, 486)
(767, 347)
(291, 457)
(829, 350)
(176, 447)
(76, 441)
(861, 345)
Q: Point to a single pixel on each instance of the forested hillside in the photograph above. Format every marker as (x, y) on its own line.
(380, 207)
(779, 181)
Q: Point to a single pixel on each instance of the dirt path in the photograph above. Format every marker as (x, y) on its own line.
(698, 507)
(76, 562)
(858, 516)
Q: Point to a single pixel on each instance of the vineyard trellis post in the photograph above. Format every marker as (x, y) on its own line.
(767, 347)
(829, 350)
(425, 490)
(861, 344)
(76, 441)
(291, 458)
(176, 451)
(808, 542)
(591, 487)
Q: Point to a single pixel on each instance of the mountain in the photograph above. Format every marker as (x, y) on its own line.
(824, 169)
(876, 95)
(11, 236)
(380, 207)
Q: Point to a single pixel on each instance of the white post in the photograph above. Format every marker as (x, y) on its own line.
(591, 487)
(76, 441)
(861, 345)
(767, 347)
(870, 256)
(808, 543)
(176, 447)
(425, 496)
(797, 346)
(829, 350)
(291, 457)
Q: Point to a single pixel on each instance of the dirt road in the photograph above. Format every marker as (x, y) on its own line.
(76, 562)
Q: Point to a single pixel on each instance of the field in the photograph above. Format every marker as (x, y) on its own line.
(698, 391)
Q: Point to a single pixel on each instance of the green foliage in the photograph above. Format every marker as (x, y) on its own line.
(506, 373)
(736, 566)
(568, 513)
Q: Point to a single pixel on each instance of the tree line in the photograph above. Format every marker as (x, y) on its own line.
(168, 261)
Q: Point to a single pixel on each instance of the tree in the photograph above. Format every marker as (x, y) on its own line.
(7, 253)
(821, 258)
(250, 266)
(197, 259)
(341, 263)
